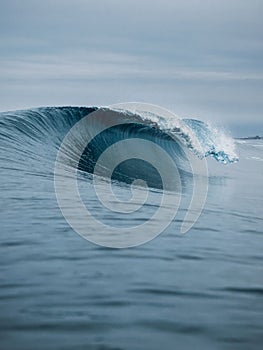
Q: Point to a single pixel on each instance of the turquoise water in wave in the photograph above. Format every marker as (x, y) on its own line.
(202, 290)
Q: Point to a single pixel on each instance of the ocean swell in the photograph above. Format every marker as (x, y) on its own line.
(31, 138)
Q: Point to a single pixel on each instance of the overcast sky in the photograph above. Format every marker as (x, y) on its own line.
(199, 58)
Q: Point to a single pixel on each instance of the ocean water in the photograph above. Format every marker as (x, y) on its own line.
(199, 290)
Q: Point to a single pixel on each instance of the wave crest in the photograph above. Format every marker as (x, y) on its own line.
(49, 125)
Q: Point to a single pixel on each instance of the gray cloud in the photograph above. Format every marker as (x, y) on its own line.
(200, 58)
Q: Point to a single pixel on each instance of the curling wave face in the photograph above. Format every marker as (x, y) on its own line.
(38, 133)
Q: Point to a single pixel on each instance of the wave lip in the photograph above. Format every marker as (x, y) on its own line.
(201, 138)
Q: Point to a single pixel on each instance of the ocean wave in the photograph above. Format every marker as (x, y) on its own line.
(38, 133)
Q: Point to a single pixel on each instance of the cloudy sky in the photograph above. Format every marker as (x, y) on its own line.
(199, 58)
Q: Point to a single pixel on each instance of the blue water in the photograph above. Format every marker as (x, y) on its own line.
(202, 290)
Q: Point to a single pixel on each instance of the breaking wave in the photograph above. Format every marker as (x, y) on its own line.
(36, 134)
